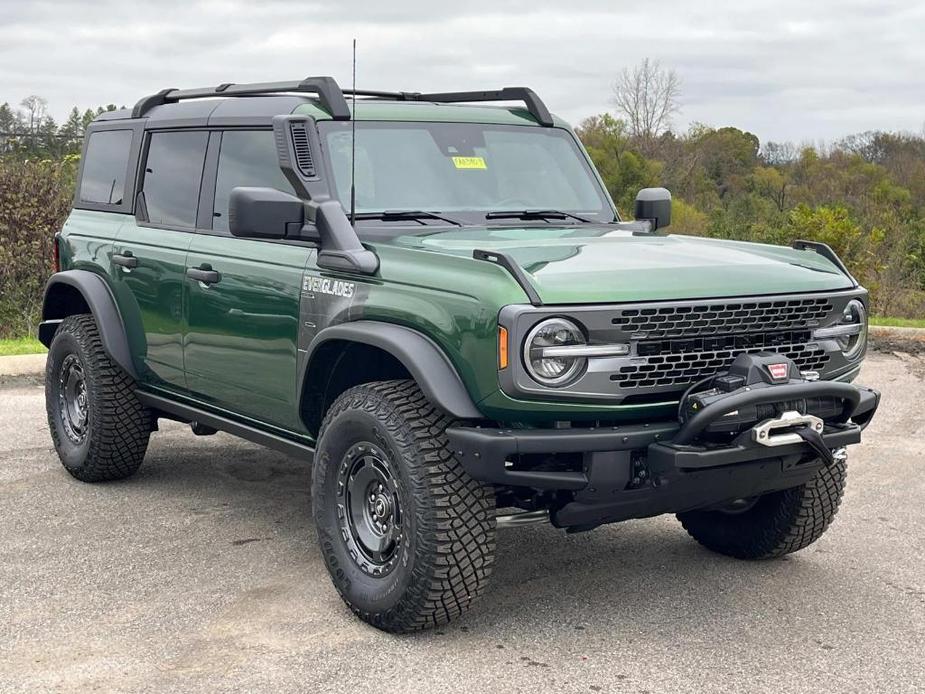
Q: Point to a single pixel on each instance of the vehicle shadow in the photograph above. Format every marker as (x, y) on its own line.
(612, 577)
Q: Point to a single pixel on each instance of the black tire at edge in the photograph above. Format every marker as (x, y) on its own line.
(119, 425)
(779, 523)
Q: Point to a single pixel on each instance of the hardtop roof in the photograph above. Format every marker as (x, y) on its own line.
(322, 99)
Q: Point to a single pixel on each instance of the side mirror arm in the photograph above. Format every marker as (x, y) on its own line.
(340, 246)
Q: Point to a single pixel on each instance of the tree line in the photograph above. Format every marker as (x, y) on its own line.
(29, 131)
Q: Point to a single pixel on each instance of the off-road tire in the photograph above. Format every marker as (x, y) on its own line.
(448, 518)
(779, 523)
(117, 424)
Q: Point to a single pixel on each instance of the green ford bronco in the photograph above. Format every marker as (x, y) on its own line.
(436, 302)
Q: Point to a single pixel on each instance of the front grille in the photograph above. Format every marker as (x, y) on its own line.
(721, 318)
(673, 344)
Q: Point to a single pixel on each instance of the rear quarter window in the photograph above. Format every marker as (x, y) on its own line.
(173, 174)
(104, 167)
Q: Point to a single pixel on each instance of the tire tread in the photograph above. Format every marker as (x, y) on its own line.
(782, 523)
(455, 542)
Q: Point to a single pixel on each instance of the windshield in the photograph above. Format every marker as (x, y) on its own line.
(463, 169)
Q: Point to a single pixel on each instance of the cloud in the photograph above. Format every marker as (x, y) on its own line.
(787, 70)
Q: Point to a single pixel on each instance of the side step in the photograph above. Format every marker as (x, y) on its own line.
(211, 420)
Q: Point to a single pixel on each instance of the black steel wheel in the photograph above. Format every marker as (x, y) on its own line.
(370, 505)
(72, 399)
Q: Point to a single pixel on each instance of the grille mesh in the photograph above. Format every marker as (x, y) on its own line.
(680, 370)
(723, 318)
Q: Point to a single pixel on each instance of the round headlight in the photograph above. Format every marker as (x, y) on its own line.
(547, 364)
(853, 343)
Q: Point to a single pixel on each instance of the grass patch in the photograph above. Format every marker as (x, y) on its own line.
(888, 322)
(22, 345)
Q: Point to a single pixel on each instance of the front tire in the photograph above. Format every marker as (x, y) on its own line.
(775, 524)
(99, 428)
(407, 535)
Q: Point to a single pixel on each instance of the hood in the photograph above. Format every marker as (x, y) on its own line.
(570, 265)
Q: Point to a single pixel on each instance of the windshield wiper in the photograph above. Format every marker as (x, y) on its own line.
(412, 215)
(536, 214)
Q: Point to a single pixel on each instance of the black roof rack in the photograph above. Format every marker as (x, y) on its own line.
(329, 93)
(534, 104)
(332, 96)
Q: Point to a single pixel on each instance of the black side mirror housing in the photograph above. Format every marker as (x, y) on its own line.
(653, 205)
(264, 213)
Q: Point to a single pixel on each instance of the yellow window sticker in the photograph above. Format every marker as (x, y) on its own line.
(469, 163)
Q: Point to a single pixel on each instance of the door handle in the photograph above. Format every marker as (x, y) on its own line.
(204, 273)
(125, 259)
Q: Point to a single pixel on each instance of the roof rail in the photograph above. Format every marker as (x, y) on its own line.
(534, 104)
(328, 91)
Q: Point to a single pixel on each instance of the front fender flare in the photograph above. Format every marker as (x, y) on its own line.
(423, 359)
(98, 297)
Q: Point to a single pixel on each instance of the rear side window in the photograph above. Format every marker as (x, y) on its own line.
(105, 164)
(173, 173)
(246, 158)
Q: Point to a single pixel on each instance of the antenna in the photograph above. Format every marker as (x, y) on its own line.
(353, 144)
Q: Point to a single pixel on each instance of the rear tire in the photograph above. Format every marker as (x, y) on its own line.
(777, 524)
(407, 535)
(99, 428)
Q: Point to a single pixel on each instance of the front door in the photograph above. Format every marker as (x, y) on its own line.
(241, 345)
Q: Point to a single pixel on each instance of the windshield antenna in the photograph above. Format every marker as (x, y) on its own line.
(353, 144)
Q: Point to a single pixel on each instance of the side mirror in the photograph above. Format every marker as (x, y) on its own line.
(653, 205)
(264, 213)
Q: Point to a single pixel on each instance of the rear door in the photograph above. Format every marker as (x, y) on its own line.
(242, 341)
(150, 252)
(103, 200)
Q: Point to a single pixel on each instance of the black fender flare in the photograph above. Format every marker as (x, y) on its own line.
(98, 297)
(424, 360)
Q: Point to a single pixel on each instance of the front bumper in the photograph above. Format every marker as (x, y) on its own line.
(638, 470)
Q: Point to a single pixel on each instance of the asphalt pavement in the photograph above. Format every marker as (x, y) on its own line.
(201, 574)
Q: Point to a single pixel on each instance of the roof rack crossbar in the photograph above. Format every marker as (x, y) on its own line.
(332, 98)
(328, 91)
(534, 104)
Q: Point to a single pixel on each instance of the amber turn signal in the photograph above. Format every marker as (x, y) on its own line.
(502, 347)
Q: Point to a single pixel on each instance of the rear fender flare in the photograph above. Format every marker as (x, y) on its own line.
(99, 299)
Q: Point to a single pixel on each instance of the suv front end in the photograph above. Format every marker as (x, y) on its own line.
(644, 362)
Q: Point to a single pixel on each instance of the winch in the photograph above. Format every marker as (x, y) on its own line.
(801, 418)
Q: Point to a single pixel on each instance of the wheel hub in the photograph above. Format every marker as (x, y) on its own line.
(73, 401)
(369, 510)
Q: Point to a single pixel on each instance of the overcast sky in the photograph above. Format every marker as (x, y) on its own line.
(804, 70)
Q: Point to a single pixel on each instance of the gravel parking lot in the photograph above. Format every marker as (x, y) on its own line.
(202, 574)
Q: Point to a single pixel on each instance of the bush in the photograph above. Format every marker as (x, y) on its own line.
(35, 197)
